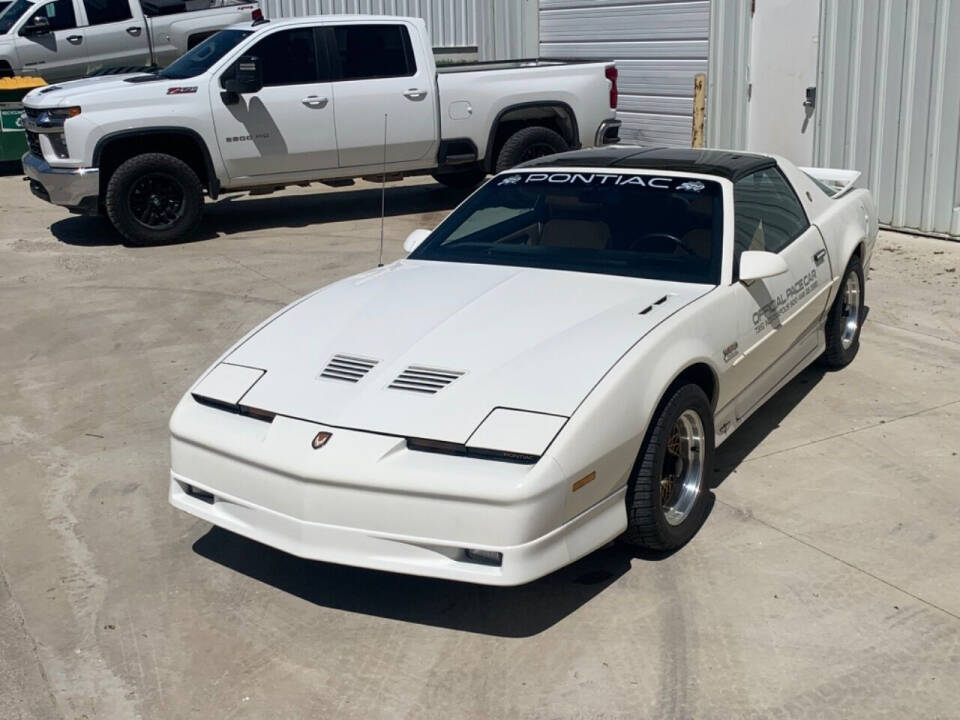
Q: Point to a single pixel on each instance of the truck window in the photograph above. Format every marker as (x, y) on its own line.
(107, 11)
(59, 14)
(288, 57)
(767, 214)
(204, 55)
(373, 51)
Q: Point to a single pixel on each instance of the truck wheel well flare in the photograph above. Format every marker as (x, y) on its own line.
(118, 150)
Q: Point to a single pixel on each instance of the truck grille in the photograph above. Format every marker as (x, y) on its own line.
(33, 141)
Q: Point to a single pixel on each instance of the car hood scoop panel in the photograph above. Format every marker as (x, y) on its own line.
(428, 349)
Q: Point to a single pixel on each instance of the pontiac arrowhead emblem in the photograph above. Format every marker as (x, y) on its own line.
(321, 439)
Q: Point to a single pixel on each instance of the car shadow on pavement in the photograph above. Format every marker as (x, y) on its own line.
(764, 421)
(516, 612)
(237, 213)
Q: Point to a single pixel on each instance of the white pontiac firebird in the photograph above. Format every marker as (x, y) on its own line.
(549, 369)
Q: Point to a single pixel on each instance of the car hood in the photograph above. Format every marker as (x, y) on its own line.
(511, 337)
(100, 92)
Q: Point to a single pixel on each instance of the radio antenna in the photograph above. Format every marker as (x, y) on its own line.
(383, 190)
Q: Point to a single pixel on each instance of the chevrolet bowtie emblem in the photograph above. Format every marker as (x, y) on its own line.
(321, 439)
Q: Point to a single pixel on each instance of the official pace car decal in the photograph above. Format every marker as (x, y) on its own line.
(614, 179)
(769, 314)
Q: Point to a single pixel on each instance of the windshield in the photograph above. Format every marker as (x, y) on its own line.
(649, 226)
(9, 17)
(203, 56)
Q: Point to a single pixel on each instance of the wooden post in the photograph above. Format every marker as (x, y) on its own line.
(699, 109)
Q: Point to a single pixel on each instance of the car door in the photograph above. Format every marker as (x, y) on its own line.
(58, 51)
(381, 90)
(778, 317)
(116, 35)
(288, 126)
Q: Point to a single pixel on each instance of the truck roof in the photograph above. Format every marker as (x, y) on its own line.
(728, 164)
(319, 19)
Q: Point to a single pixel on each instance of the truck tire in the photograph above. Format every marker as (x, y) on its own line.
(667, 493)
(845, 318)
(154, 198)
(463, 180)
(529, 143)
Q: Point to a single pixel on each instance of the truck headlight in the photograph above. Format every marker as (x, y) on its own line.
(64, 113)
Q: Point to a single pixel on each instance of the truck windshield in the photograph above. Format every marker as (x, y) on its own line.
(203, 56)
(9, 17)
(649, 226)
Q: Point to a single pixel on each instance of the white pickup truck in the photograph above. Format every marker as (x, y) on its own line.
(64, 39)
(273, 103)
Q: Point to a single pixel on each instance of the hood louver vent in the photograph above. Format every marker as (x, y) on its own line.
(417, 378)
(347, 368)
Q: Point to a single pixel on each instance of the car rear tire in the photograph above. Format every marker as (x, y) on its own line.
(529, 143)
(463, 180)
(668, 490)
(153, 199)
(845, 318)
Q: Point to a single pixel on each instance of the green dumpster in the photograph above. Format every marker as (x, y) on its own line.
(13, 141)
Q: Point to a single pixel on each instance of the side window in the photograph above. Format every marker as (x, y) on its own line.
(767, 214)
(107, 11)
(288, 57)
(59, 14)
(374, 51)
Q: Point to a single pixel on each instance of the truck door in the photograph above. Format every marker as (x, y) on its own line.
(377, 74)
(778, 317)
(287, 127)
(49, 43)
(116, 35)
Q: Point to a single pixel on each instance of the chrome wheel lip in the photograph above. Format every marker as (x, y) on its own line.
(850, 310)
(687, 457)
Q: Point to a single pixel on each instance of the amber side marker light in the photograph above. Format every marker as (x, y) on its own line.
(585, 480)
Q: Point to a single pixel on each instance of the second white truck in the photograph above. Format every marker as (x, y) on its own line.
(273, 103)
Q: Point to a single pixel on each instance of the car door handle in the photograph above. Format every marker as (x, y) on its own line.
(414, 94)
(819, 256)
(313, 101)
(135, 30)
(74, 39)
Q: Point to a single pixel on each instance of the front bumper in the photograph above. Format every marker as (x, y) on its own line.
(74, 188)
(608, 133)
(367, 501)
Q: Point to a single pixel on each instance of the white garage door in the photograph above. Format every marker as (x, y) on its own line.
(659, 48)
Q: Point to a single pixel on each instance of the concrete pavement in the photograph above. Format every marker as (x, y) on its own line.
(825, 582)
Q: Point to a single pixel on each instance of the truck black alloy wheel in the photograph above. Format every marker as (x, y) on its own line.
(154, 199)
(667, 493)
(845, 318)
(529, 143)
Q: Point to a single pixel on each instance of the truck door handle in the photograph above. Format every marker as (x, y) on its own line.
(415, 94)
(312, 101)
(135, 30)
(74, 39)
(819, 256)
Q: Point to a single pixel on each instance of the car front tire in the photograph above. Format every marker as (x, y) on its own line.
(153, 199)
(845, 318)
(667, 497)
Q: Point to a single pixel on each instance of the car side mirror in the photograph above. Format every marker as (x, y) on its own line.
(37, 25)
(415, 239)
(757, 265)
(247, 76)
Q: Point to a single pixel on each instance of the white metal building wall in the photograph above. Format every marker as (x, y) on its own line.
(659, 46)
(499, 29)
(889, 105)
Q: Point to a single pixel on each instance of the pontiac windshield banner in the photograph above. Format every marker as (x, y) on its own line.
(614, 179)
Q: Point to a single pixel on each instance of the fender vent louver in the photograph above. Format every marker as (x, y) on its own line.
(648, 308)
(348, 368)
(417, 378)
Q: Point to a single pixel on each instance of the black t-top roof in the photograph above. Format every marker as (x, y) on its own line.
(723, 163)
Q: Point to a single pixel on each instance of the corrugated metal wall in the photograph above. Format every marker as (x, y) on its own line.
(889, 105)
(499, 29)
(659, 48)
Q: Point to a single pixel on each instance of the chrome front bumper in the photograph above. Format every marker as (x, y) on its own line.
(74, 188)
(608, 133)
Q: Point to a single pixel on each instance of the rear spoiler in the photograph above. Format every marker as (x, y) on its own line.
(837, 182)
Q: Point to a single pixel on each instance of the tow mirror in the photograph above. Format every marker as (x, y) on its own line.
(247, 76)
(757, 265)
(415, 239)
(37, 25)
